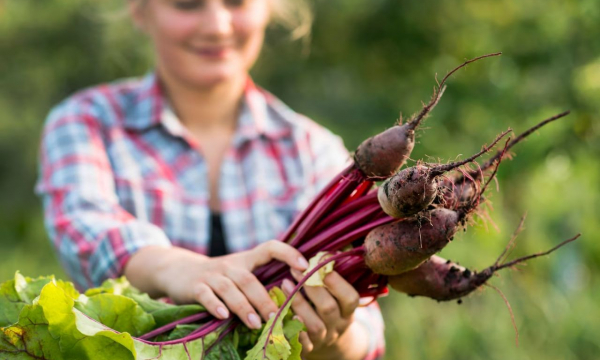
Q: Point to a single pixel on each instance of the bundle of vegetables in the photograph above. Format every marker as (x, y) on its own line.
(371, 236)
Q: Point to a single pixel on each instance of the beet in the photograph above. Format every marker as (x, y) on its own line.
(462, 188)
(443, 280)
(414, 189)
(395, 248)
(382, 155)
(439, 279)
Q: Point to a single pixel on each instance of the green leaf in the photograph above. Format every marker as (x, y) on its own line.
(224, 350)
(292, 327)
(10, 303)
(21, 291)
(28, 288)
(247, 338)
(162, 312)
(119, 286)
(279, 298)
(52, 328)
(117, 312)
(29, 338)
(296, 347)
(275, 346)
(316, 279)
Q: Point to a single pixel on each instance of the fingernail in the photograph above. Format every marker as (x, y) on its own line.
(303, 263)
(223, 313)
(254, 321)
(271, 314)
(287, 286)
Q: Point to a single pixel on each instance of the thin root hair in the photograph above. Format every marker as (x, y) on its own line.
(512, 315)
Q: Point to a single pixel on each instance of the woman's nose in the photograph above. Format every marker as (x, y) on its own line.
(216, 19)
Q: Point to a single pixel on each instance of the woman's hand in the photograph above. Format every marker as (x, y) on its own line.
(328, 317)
(220, 284)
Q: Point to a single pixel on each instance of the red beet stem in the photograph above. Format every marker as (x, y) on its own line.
(347, 185)
(186, 320)
(344, 210)
(358, 250)
(339, 232)
(333, 183)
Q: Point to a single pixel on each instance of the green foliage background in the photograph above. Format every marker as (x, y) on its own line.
(368, 61)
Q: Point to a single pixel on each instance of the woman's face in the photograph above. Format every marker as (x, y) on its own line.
(203, 42)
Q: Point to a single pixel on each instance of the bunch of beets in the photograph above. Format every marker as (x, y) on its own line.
(388, 235)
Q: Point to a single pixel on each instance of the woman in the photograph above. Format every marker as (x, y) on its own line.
(158, 179)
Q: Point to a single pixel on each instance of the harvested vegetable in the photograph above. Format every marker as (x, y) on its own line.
(369, 236)
(444, 280)
(414, 189)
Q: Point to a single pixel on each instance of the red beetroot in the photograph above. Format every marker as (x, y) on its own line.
(401, 246)
(462, 187)
(443, 280)
(414, 189)
(438, 279)
(394, 248)
(382, 155)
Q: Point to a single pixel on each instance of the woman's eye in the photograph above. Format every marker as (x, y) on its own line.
(235, 3)
(187, 5)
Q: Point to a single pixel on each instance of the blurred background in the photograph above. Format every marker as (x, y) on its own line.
(367, 62)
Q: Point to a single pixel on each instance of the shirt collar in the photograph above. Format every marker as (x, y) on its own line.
(148, 104)
(261, 114)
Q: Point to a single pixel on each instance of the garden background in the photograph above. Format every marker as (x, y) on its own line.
(367, 62)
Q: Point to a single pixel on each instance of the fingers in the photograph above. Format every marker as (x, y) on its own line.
(315, 327)
(307, 345)
(235, 300)
(254, 291)
(205, 296)
(327, 309)
(345, 294)
(346, 298)
(265, 252)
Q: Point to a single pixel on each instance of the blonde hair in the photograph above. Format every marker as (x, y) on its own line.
(295, 15)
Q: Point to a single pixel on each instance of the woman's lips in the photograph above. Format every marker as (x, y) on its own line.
(213, 52)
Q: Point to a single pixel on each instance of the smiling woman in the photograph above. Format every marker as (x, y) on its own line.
(180, 180)
(203, 43)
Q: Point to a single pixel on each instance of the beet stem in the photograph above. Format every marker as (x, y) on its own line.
(341, 232)
(358, 250)
(290, 231)
(349, 208)
(186, 320)
(362, 231)
(349, 184)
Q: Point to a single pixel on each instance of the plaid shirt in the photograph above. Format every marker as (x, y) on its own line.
(119, 172)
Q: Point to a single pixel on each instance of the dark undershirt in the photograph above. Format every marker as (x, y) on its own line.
(217, 246)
